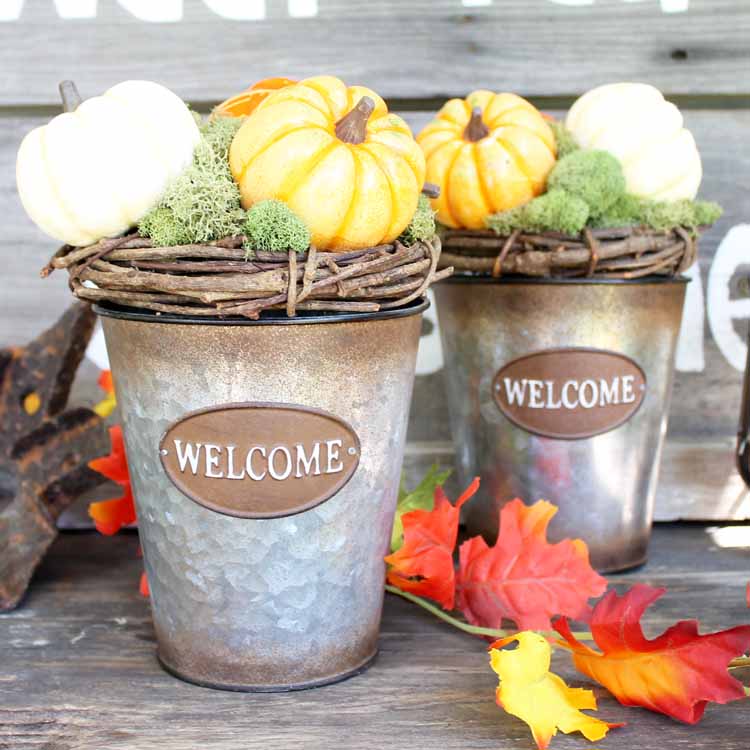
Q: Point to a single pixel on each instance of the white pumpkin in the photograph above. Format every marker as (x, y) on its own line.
(644, 132)
(95, 172)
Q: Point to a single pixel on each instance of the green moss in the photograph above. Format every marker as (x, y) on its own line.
(587, 188)
(271, 225)
(159, 224)
(555, 211)
(505, 222)
(203, 203)
(422, 225)
(627, 210)
(595, 177)
(685, 213)
(565, 142)
(661, 215)
(218, 134)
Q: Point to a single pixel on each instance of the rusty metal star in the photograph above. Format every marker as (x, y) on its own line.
(44, 447)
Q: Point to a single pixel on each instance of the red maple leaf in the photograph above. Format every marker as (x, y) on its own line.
(523, 577)
(676, 674)
(423, 565)
(111, 515)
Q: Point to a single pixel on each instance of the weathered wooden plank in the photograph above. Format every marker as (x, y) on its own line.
(210, 48)
(78, 669)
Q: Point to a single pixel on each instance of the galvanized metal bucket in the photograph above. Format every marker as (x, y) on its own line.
(265, 458)
(560, 390)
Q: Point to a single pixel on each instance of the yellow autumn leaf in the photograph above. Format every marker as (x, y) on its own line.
(529, 691)
(106, 406)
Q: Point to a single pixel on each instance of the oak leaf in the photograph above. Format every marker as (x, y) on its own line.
(423, 565)
(676, 674)
(529, 691)
(523, 577)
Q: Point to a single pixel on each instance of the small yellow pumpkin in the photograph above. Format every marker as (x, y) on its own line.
(349, 169)
(488, 153)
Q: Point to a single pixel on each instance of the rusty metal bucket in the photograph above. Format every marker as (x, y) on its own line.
(560, 389)
(265, 458)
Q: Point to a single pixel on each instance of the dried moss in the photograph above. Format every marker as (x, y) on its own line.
(218, 134)
(159, 224)
(587, 188)
(422, 225)
(660, 215)
(272, 226)
(203, 203)
(565, 142)
(555, 211)
(595, 177)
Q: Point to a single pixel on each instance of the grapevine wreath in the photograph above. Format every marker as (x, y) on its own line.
(609, 193)
(299, 196)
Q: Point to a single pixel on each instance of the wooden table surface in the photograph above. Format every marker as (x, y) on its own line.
(77, 669)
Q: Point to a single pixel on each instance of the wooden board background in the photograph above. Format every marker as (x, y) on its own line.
(416, 53)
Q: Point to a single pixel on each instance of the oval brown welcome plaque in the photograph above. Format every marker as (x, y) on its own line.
(569, 394)
(259, 460)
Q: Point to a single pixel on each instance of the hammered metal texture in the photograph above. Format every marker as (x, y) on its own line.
(269, 604)
(605, 485)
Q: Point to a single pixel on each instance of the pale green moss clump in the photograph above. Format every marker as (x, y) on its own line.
(203, 203)
(218, 134)
(555, 211)
(595, 177)
(660, 215)
(422, 225)
(160, 225)
(565, 142)
(272, 226)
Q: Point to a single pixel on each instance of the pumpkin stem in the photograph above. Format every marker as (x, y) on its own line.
(476, 129)
(431, 190)
(352, 127)
(69, 95)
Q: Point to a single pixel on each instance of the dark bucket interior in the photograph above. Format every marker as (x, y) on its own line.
(267, 317)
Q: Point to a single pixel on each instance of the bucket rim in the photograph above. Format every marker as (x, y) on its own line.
(268, 318)
(464, 278)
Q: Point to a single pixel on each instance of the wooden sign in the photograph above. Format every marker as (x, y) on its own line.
(571, 393)
(259, 460)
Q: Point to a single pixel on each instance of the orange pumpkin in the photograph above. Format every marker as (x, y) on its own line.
(333, 153)
(244, 103)
(487, 153)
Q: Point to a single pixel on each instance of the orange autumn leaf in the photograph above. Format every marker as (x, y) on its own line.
(676, 674)
(524, 578)
(111, 515)
(423, 565)
(105, 381)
